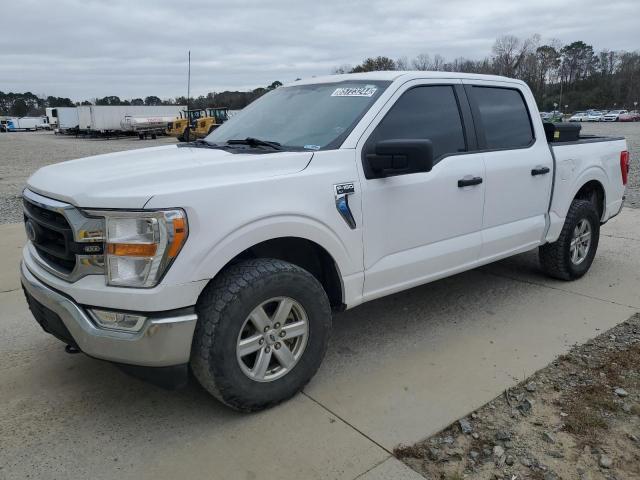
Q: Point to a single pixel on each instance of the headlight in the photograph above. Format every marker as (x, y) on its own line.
(140, 246)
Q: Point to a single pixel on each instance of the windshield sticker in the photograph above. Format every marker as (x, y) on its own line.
(366, 91)
(312, 147)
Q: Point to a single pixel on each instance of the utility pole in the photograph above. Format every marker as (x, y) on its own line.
(189, 80)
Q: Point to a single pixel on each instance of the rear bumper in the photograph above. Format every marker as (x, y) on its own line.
(164, 340)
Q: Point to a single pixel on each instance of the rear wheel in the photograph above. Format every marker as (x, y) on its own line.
(263, 328)
(570, 257)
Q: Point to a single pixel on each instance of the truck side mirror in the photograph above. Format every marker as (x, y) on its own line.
(399, 157)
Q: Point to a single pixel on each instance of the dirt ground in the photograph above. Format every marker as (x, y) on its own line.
(578, 418)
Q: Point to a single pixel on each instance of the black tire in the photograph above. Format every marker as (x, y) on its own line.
(555, 258)
(222, 309)
(153, 136)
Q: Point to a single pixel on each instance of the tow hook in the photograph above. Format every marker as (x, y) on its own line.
(70, 349)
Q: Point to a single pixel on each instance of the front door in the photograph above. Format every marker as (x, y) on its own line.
(421, 226)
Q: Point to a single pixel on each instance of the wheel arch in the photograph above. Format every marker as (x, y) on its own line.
(305, 244)
(593, 191)
(592, 179)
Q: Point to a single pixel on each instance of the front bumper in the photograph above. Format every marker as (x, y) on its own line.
(164, 340)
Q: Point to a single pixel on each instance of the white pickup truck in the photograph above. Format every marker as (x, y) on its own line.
(226, 256)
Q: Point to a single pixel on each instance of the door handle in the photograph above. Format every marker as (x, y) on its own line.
(540, 171)
(468, 182)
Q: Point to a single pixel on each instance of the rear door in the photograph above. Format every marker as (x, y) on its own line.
(519, 168)
(421, 226)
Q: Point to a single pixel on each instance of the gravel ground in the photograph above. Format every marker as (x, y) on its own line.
(578, 418)
(22, 153)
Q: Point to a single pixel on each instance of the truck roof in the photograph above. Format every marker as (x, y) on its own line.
(404, 75)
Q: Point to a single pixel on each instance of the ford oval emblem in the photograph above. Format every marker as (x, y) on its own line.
(31, 230)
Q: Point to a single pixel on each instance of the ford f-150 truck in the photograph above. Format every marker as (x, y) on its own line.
(225, 257)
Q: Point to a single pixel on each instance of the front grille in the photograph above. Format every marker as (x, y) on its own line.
(63, 239)
(52, 236)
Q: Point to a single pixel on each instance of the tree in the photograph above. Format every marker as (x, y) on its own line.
(19, 108)
(109, 100)
(345, 68)
(137, 101)
(421, 62)
(508, 54)
(152, 100)
(274, 85)
(375, 64)
(402, 63)
(578, 62)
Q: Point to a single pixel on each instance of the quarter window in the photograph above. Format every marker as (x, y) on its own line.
(504, 116)
(429, 113)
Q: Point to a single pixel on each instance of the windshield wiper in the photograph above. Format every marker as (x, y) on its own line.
(200, 143)
(255, 142)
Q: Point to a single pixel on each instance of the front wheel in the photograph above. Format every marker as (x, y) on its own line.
(262, 332)
(570, 257)
(187, 135)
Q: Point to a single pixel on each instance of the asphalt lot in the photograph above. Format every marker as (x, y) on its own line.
(398, 370)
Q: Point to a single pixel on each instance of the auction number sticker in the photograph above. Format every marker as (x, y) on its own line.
(366, 91)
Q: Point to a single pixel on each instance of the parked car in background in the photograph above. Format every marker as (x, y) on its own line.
(578, 117)
(613, 115)
(594, 116)
(554, 116)
(633, 116)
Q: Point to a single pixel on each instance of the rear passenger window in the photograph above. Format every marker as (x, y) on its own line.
(504, 116)
(429, 113)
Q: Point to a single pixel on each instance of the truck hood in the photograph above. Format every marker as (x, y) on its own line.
(129, 179)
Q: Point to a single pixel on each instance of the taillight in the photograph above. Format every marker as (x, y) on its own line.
(624, 166)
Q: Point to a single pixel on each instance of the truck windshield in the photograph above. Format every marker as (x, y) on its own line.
(311, 117)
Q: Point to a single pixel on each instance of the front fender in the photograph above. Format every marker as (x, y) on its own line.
(277, 227)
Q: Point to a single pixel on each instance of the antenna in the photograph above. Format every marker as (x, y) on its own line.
(189, 80)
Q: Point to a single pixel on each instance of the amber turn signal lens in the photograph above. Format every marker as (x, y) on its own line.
(132, 249)
(179, 236)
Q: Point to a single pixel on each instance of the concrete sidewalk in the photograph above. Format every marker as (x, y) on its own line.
(397, 370)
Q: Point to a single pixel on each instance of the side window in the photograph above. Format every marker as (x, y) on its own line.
(429, 113)
(505, 117)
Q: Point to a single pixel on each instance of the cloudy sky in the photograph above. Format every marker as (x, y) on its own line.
(92, 48)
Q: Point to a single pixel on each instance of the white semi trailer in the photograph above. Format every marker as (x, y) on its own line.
(66, 118)
(16, 124)
(51, 120)
(101, 119)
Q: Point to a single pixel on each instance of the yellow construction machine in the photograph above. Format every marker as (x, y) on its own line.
(215, 117)
(183, 127)
(197, 123)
